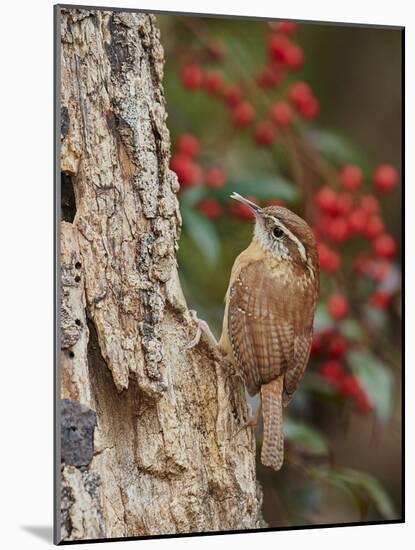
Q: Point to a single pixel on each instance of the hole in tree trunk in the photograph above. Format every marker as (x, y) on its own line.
(68, 204)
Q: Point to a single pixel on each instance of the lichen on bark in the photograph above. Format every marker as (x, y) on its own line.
(165, 455)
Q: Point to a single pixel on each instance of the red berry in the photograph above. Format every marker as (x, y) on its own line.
(300, 93)
(344, 203)
(351, 177)
(370, 204)
(333, 372)
(189, 145)
(349, 386)
(335, 204)
(192, 76)
(213, 82)
(316, 344)
(338, 306)
(337, 346)
(338, 230)
(215, 177)
(374, 227)
(329, 260)
(385, 246)
(233, 95)
(277, 47)
(357, 220)
(310, 108)
(188, 172)
(281, 49)
(381, 300)
(282, 113)
(385, 177)
(326, 199)
(211, 208)
(270, 76)
(265, 133)
(363, 402)
(243, 114)
(294, 56)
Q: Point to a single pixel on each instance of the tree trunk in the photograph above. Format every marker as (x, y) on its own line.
(148, 427)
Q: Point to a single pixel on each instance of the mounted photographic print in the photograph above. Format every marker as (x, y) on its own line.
(228, 274)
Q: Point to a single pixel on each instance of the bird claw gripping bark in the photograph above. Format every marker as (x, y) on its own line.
(202, 327)
(234, 371)
(251, 421)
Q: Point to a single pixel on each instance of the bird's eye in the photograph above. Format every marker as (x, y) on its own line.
(277, 232)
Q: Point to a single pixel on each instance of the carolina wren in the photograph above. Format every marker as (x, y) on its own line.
(268, 322)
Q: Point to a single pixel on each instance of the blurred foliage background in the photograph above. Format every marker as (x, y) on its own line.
(308, 116)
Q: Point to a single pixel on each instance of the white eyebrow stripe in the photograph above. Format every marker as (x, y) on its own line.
(300, 246)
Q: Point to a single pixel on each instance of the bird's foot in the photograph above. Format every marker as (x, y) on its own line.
(251, 421)
(229, 367)
(202, 328)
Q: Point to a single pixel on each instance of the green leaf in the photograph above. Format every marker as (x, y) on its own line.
(378, 495)
(203, 233)
(375, 378)
(335, 147)
(190, 197)
(263, 189)
(307, 437)
(322, 320)
(351, 329)
(361, 485)
(270, 187)
(314, 382)
(376, 317)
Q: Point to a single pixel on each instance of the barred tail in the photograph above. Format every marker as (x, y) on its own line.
(272, 453)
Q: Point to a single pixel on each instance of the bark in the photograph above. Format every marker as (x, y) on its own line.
(149, 441)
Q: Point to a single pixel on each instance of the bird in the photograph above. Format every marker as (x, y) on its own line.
(269, 312)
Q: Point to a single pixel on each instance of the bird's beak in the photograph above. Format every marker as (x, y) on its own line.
(254, 207)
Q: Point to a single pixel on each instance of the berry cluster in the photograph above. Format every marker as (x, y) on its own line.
(331, 347)
(185, 162)
(347, 385)
(245, 101)
(344, 214)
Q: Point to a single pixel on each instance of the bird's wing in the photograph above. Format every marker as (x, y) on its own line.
(294, 375)
(263, 316)
(303, 339)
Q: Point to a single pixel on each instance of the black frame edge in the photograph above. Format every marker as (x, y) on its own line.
(227, 16)
(56, 280)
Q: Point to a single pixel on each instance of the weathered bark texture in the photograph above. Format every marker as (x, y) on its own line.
(148, 426)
